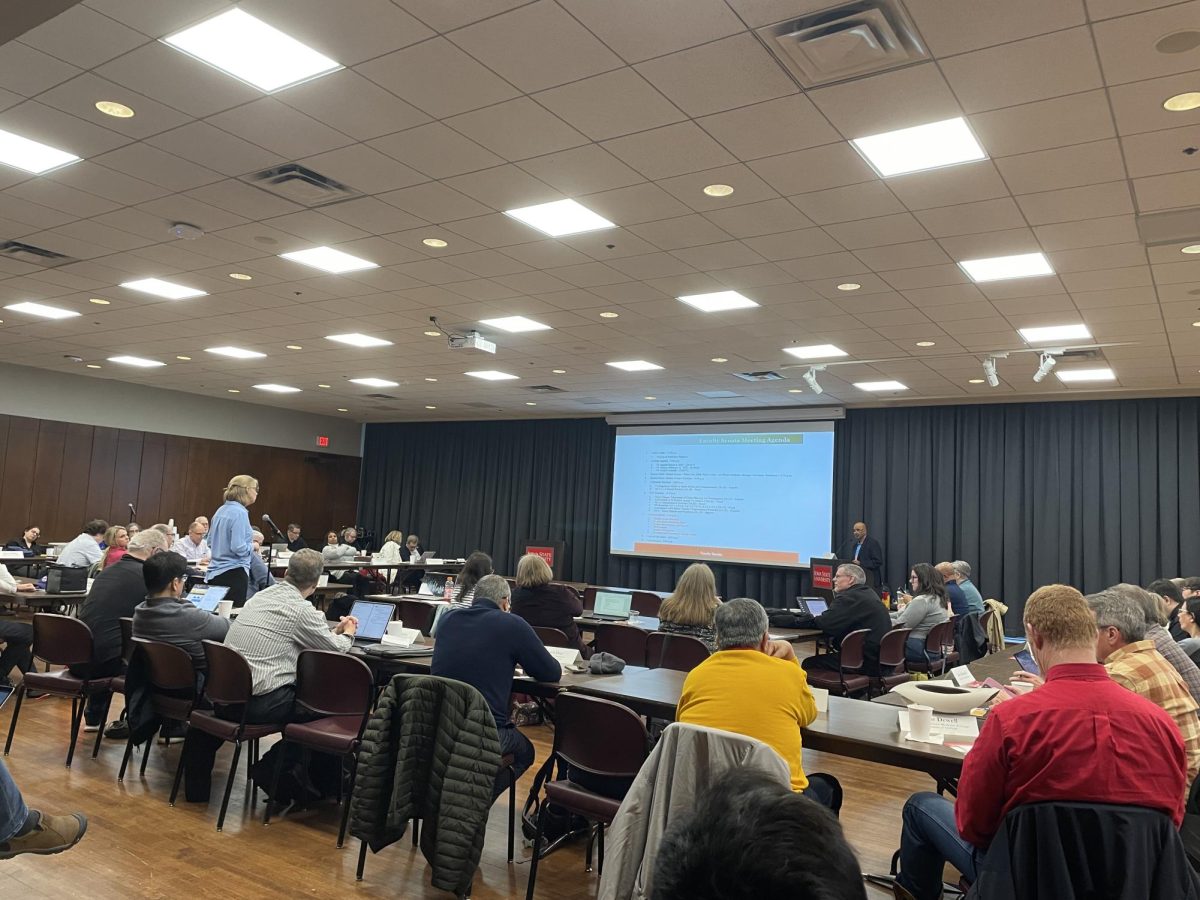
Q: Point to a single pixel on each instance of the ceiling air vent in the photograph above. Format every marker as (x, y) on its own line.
(300, 185)
(758, 376)
(718, 395)
(1082, 355)
(382, 397)
(36, 256)
(546, 389)
(847, 41)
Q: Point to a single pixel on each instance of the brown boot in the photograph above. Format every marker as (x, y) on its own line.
(900, 892)
(52, 834)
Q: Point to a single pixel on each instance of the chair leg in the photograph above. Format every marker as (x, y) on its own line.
(587, 856)
(12, 726)
(600, 850)
(125, 758)
(362, 860)
(349, 797)
(103, 722)
(178, 774)
(237, 752)
(512, 811)
(537, 850)
(255, 755)
(77, 707)
(146, 756)
(275, 773)
(416, 832)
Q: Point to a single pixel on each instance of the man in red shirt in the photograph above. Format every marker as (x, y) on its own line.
(1079, 737)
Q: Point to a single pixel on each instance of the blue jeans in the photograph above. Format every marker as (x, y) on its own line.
(13, 811)
(928, 841)
(512, 741)
(914, 650)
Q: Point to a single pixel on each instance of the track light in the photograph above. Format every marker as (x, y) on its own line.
(989, 372)
(1048, 362)
(810, 378)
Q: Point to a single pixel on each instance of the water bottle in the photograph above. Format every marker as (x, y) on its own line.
(886, 597)
(448, 590)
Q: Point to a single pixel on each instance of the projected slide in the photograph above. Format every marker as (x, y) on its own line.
(761, 495)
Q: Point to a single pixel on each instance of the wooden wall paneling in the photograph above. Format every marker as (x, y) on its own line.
(150, 480)
(47, 482)
(127, 474)
(207, 475)
(3, 453)
(18, 474)
(67, 519)
(100, 472)
(174, 480)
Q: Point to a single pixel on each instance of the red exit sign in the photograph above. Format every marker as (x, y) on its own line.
(322, 440)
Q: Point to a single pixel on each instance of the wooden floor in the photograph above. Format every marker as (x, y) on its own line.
(138, 846)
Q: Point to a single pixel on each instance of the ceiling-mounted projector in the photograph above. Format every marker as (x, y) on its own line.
(473, 340)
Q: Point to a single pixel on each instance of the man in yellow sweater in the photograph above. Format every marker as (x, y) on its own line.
(754, 686)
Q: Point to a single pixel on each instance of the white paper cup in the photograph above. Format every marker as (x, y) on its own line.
(394, 627)
(1020, 687)
(821, 698)
(224, 608)
(920, 721)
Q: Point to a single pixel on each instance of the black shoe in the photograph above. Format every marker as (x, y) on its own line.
(118, 730)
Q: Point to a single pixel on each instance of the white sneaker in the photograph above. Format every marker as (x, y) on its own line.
(87, 727)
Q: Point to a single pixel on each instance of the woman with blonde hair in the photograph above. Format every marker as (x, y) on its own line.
(116, 539)
(546, 605)
(231, 539)
(390, 553)
(689, 610)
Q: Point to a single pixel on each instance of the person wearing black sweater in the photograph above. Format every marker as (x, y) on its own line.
(854, 606)
(481, 645)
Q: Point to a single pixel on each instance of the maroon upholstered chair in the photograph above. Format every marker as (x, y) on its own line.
(939, 637)
(646, 603)
(848, 679)
(416, 614)
(680, 652)
(228, 684)
(891, 656)
(624, 641)
(589, 598)
(172, 676)
(578, 720)
(118, 682)
(552, 637)
(62, 641)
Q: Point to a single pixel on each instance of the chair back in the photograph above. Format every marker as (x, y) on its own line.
(680, 652)
(61, 640)
(624, 641)
(168, 666)
(578, 719)
(334, 684)
(939, 637)
(552, 637)
(985, 622)
(126, 623)
(850, 653)
(589, 598)
(228, 682)
(891, 648)
(646, 604)
(416, 614)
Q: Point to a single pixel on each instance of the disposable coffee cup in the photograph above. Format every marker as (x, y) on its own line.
(1020, 687)
(920, 721)
(224, 608)
(394, 627)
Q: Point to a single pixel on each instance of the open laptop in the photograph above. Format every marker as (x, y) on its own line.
(812, 606)
(432, 586)
(427, 555)
(207, 596)
(612, 606)
(373, 620)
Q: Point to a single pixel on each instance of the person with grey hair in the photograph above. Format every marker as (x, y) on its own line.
(1133, 663)
(1173, 652)
(854, 606)
(974, 598)
(260, 575)
(481, 645)
(753, 686)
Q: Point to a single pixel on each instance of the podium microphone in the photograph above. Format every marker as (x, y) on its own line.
(132, 511)
(275, 528)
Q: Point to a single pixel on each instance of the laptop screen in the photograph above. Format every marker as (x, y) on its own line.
(816, 607)
(432, 585)
(613, 603)
(207, 596)
(372, 618)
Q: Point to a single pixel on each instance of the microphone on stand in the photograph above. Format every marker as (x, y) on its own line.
(132, 512)
(275, 528)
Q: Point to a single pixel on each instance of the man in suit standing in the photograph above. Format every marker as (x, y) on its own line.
(865, 551)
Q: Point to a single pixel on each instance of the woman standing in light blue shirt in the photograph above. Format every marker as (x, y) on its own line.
(231, 539)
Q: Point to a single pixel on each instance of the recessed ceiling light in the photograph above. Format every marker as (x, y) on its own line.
(1055, 333)
(815, 351)
(559, 218)
(925, 344)
(610, 315)
(1190, 248)
(432, 333)
(235, 352)
(41, 309)
(880, 386)
(1178, 41)
(1100, 374)
(559, 371)
(427, 406)
(233, 390)
(849, 286)
(277, 388)
(342, 409)
(634, 365)
(138, 361)
(1194, 324)
(329, 260)
(531, 403)
(932, 146)
(718, 301)
(974, 381)
(252, 51)
(99, 301)
(996, 268)
(31, 156)
(114, 109)
(354, 339)
(430, 378)
(323, 385)
(491, 375)
(515, 324)
(184, 358)
(1182, 102)
(241, 276)
(795, 390)
(434, 242)
(166, 289)
(292, 347)
(649, 397)
(719, 359)
(92, 366)
(375, 382)
(718, 190)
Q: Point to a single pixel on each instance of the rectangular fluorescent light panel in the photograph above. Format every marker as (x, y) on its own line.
(816, 351)
(278, 388)
(559, 218)
(719, 301)
(514, 324)
(235, 352)
(252, 51)
(932, 146)
(329, 260)
(1055, 333)
(375, 382)
(1070, 375)
(31, 156)
(997, 268)
(140, 362)
(40, 309)
(880, 386)
(358, 340)
(492, 375)
(166, 289)
(635, 365)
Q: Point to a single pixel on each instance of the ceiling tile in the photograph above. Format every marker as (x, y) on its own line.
(242, 199)
(1127, 45)
(436, 150)
(434, 202)
(159, 18)
(83, 36)
(493, 230)
(844, 204)
(153, 165)
(1077, 204)
(376, 26)
(615, 103)
(1089, 233)
(438, 78)
(353, 105)
(177, 80)
(218, 150)
(28, 72)
(446, 15)
(1162, 151)
(517, 129)
(1044, 124)
(765, 217)
(372, 215)
(897, 229)
(868, 106)
(748, 187)
(96, 179)
(794, 244)
(365, 169)
(770, 128)
(280, 129)
(903, 256)
(950, 186)
(992, 243)
(1167, 191)
(971, 218)
(672, 150)
(584, 170)
(1066, 167)
(815, 169)
(504, 187)
(685, 231)
(37, 122)
(79, 96)
(631, 205)
(1108, 257)
(949, 27)
(639, 31)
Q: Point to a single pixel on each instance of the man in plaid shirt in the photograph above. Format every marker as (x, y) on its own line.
(1172, 651)
(1132, 662)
